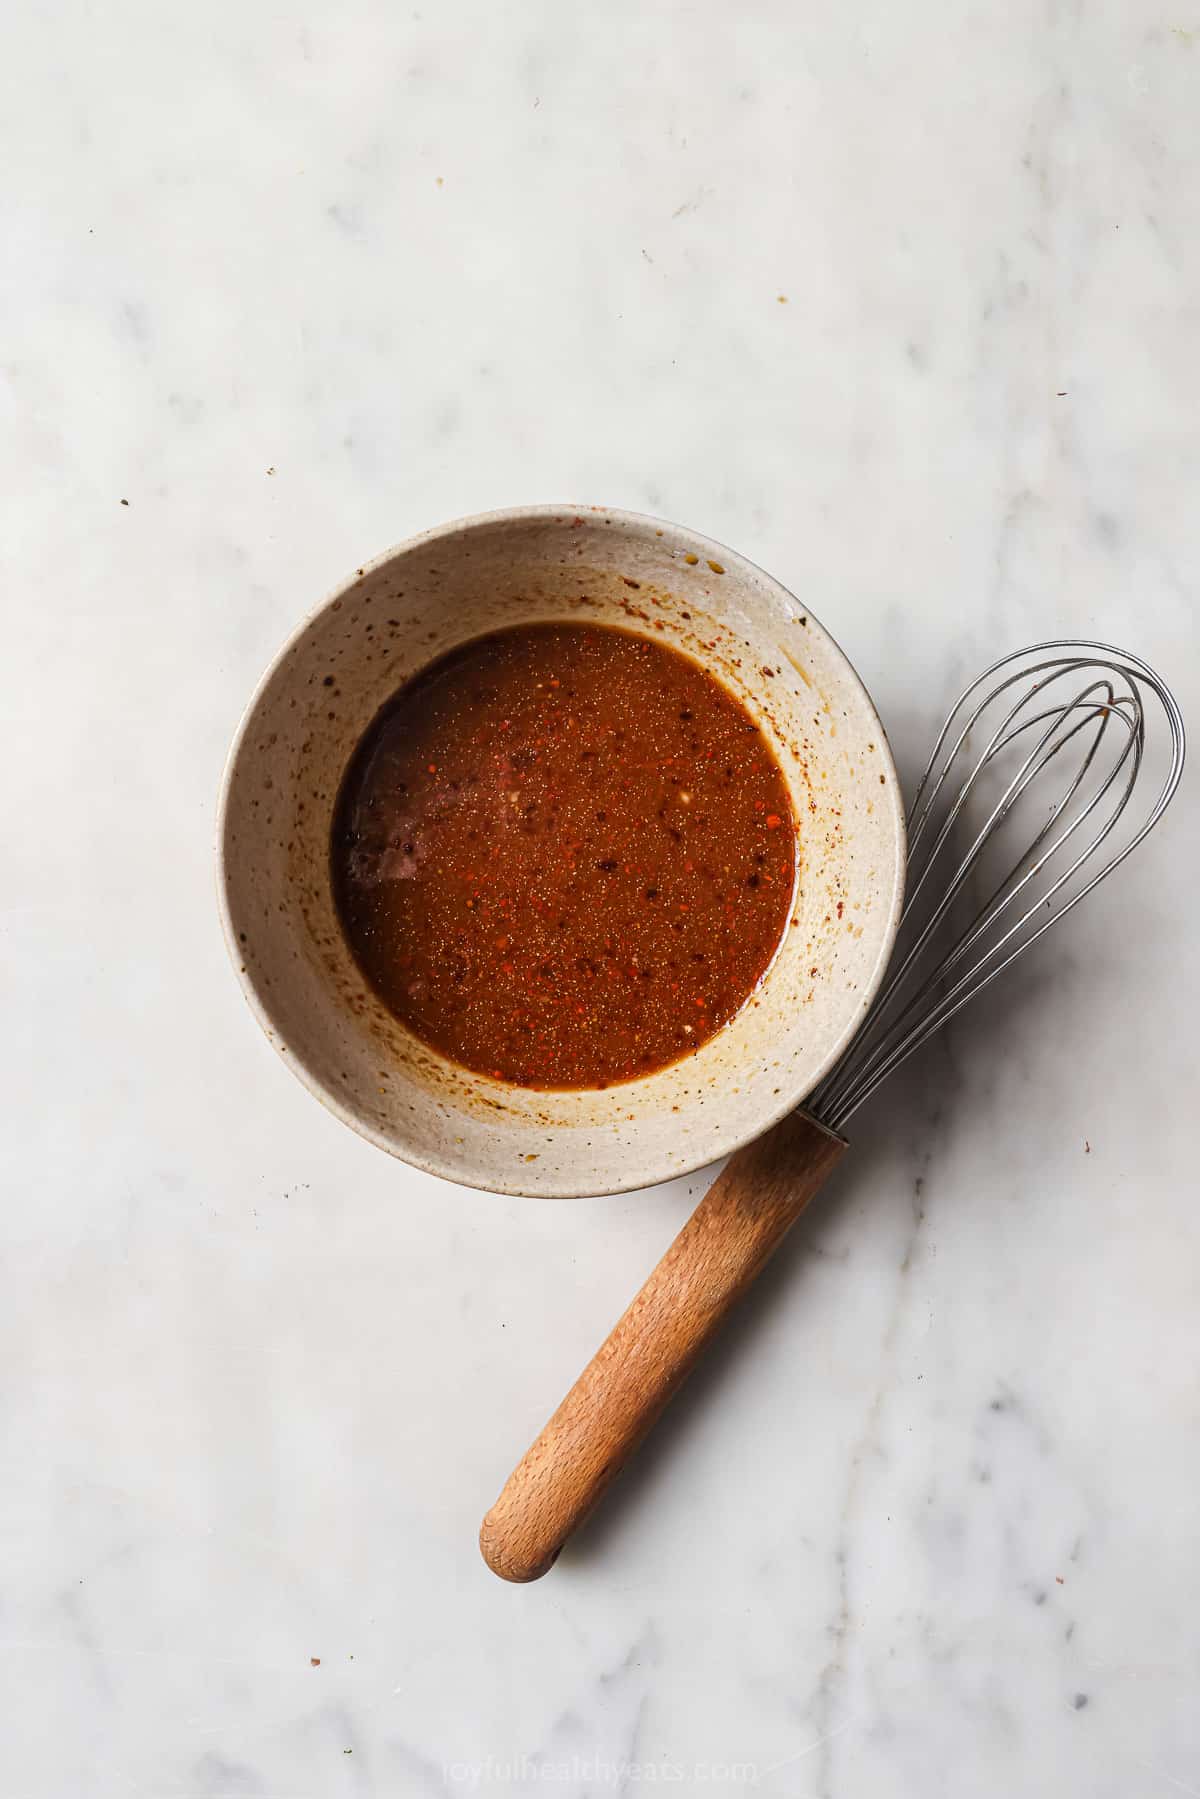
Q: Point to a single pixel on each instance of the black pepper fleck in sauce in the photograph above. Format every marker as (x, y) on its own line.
(564, 855)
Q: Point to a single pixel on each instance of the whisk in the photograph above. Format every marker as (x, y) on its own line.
(1044, 750)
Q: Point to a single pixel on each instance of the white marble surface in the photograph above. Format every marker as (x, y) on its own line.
(295, 282)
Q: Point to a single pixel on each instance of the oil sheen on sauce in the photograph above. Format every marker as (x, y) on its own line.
(564, 855)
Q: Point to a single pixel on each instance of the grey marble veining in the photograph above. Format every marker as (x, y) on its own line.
(902, 303)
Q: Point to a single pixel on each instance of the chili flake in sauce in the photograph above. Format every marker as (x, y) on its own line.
(564, 855)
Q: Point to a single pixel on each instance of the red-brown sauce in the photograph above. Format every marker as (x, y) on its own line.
(564, 855)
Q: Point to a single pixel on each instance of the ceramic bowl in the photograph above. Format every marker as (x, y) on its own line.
(325, 687)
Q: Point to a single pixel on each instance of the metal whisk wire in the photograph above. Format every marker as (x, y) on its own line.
(941, 963)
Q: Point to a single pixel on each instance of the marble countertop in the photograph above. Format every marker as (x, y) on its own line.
(901, 303)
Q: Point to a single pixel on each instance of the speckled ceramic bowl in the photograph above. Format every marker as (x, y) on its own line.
(553, 562)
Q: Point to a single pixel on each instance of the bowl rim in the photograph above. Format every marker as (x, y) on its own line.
(549, 513)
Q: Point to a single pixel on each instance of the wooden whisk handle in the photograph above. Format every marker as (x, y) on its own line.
(742, 1218)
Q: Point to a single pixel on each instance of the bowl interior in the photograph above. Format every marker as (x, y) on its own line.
(299, 733)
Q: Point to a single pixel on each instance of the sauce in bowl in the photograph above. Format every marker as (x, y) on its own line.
(564, 855)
